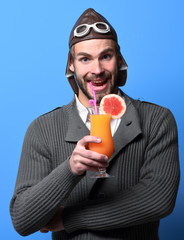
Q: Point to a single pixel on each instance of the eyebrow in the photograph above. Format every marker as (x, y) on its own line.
(107, 50)
(83, 54)
(101, 53)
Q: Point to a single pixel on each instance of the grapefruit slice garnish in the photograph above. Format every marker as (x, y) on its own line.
(113, 104)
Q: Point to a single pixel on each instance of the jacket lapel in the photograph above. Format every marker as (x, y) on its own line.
(128, 129)
(76, 127)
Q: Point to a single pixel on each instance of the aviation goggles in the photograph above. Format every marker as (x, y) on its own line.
(83, 29)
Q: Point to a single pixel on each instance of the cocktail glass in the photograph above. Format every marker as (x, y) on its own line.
(100, 127)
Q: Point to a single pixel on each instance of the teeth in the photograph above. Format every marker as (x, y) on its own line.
(101, 81)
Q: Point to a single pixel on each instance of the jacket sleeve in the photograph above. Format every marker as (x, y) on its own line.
(151, 199)
(39, 189)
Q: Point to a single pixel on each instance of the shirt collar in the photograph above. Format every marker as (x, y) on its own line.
(83, 112)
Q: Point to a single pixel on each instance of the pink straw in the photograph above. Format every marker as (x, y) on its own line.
(92, 102)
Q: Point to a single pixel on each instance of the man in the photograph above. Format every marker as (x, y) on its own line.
(54, 191)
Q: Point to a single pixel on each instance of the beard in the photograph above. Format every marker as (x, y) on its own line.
(82, 83)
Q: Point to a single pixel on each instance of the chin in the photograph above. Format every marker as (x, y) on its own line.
(100, 96)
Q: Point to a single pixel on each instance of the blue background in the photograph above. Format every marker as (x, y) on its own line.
(33, 52)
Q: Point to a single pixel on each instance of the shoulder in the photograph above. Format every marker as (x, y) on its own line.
(157, 120)
(57, 113)
(151, 113)
(152, 110)
(147, 108)
(52, 119)
(49, 126)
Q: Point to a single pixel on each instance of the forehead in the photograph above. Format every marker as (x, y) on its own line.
(94, 46)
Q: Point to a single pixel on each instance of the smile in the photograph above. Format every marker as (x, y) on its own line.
(100, 85)
(99, 82)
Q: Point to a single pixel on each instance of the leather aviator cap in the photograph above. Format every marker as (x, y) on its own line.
(92, 25)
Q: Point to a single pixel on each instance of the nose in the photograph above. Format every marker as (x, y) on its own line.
(97, 67)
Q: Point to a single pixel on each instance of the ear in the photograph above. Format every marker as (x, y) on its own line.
(71, 65)
(71, 62)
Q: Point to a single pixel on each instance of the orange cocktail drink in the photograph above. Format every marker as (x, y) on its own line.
(100, 127)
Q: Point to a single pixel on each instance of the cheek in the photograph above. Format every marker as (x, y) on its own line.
(81, 72)
(112, 67)
(113, 72)
(115, 69)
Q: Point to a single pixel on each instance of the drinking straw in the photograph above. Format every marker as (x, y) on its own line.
(92, 102)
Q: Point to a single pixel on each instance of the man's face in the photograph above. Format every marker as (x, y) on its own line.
(95, 61)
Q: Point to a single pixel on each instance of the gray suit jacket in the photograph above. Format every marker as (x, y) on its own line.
(129, 205)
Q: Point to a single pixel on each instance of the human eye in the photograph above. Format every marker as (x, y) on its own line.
(106, 56)
(84, 59)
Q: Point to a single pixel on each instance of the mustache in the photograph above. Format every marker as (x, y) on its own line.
(104, 75)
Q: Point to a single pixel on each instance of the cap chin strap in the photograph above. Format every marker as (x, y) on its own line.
(73, 84)
(70, 75)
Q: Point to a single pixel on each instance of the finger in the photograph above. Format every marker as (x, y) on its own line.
(83, 168)
(93, 162)
(80, 154)
(87, 139)
(89, 158)
(101, 158)
(84, 164)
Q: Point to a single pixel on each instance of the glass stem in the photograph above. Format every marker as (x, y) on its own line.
(102, 171)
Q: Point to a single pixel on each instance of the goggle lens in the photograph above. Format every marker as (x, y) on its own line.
(101, 26)
(81, 29)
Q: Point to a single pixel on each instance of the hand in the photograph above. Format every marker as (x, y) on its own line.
(56, 223)
(83, 159)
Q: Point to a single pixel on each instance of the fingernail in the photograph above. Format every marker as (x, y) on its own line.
(98, 140)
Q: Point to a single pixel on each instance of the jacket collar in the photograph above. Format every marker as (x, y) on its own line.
(76, 127)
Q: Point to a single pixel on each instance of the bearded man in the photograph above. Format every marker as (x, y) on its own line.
(54, 190)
